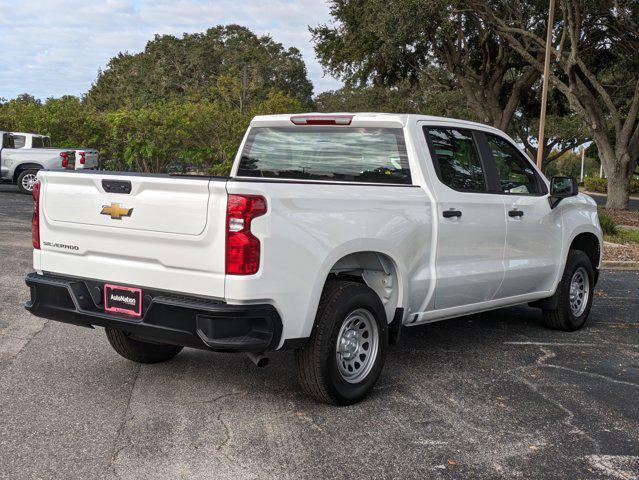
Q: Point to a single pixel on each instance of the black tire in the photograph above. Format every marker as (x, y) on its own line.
(140, 352)
(563, 317)
(317, 364)
(22, 188)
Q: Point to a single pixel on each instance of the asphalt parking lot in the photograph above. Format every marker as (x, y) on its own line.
(490, 396)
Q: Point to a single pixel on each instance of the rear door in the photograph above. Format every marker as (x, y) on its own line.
(471, 222)
(163, 232)
(534, 230)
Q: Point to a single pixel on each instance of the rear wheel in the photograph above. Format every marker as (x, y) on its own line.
(575, 291)
(138, 351)
(345, 355)
(26, 180)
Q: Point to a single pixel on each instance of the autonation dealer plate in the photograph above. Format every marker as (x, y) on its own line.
(126, 300)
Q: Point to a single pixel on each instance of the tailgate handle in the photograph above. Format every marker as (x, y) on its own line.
(116, 186)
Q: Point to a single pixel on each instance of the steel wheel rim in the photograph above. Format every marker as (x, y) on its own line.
(357, 345)
(28, 180)
(579, 291)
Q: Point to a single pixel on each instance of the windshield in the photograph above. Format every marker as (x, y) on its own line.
(375, 155)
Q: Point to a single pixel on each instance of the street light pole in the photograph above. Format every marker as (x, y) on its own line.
(544, 88)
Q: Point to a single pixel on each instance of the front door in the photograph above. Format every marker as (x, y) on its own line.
(471, 221)
(534, 230)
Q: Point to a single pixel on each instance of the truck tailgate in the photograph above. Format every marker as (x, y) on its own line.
(159, 232)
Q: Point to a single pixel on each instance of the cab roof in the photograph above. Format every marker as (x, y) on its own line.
(362, 119)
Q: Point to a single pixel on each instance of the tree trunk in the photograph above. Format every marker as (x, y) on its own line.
(619, 175)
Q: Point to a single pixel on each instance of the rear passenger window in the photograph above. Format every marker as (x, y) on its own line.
(456, 159)
(516, 176)
(37, 142)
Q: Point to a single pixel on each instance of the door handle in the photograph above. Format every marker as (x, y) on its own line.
(515, 213)
(451, 213)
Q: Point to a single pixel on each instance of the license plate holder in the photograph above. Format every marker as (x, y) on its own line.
(123, 300)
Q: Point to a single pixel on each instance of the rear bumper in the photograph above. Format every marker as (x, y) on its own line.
(167, 318)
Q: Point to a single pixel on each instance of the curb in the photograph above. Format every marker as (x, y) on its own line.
(619, 265)
(599, 194)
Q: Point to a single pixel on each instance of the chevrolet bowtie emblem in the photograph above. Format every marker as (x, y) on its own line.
(116, 211)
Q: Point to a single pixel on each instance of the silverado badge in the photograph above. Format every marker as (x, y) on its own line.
(116, 211)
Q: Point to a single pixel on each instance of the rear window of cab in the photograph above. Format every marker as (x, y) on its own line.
(353, 154)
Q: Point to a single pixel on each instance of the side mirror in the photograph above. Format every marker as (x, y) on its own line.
(562, 187)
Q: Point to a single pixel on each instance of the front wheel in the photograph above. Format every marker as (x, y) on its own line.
(345, 355)
(575, 291)
(26, 179)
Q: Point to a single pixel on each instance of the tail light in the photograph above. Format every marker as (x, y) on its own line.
(82, 158)
(65, 159)
(242, 247)
(35, 221)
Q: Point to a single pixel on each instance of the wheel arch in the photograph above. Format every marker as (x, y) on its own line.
(25, 166)
(588, 243)
(367, 260)
(375, 269)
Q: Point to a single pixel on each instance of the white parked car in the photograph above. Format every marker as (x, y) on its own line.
(332, 233)
(86, 158)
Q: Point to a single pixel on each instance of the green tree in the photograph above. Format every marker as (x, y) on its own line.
(406, 97)
(182, 105)
(65, 119)
(569, 164)
(197, 66)
(595, 54)
(385, 42)
(183, 136)
(564, 130)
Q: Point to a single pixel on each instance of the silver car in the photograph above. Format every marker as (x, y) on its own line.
(20, 166)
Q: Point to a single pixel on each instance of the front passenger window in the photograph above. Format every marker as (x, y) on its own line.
(19, 141)
(516, 176)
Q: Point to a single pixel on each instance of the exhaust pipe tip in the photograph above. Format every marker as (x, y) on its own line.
(258, 359)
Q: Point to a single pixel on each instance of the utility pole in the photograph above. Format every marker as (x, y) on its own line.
(544, 88)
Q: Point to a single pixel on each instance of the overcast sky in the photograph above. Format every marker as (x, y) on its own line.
(53, 48)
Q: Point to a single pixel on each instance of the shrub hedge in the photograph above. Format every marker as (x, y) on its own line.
(601, 185)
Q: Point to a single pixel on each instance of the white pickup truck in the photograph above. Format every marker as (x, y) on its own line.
(20, 166)
(332, 233)
(85, 157)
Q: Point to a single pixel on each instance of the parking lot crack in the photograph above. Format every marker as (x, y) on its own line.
(116, 449)
(592, 374)
(227, 433)
(568, 420)
(216, 399)
(27, 343)
(227, 430)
